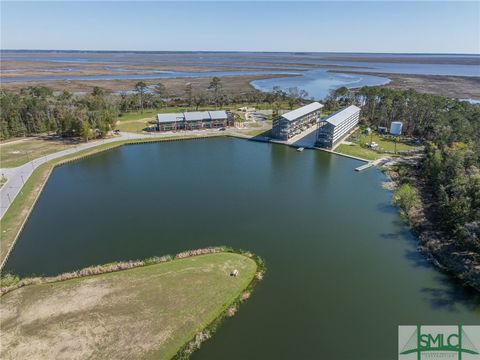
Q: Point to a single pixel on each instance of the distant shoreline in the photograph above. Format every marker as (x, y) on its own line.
(460, 87)
(79, 71)
(418, 58)
(225, 51)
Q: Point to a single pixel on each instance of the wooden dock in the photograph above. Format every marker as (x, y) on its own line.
(371, 163)
(365, 166)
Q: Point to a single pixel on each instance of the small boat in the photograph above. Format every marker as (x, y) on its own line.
(300, 149)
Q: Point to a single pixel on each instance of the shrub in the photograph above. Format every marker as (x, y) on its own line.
(8, 280)
(406, 196)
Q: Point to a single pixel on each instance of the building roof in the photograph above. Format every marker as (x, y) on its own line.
(340, 116)
(218, 115)
(192, 116)
(196, 115)
(304, 110)
(169, 118)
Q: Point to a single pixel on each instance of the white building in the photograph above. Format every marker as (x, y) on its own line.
(294, 122)
(337, 126)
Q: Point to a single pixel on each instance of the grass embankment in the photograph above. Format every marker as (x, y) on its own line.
(386, 146)
(12, 222)
(152, 311)
(19, 152)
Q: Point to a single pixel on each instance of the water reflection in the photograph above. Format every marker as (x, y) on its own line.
(449, 295)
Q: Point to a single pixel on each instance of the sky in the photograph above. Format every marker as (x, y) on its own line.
(379, 26)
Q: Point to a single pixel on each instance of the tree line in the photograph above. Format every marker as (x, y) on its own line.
(36, 110)
(451, 166)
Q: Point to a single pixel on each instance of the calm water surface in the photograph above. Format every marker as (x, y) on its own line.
(343, 270)
(319, 83)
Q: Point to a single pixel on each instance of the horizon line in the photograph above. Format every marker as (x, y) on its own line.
(242, 51)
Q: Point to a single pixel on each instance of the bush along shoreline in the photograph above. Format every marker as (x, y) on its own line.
(9, 282)
(415, 200)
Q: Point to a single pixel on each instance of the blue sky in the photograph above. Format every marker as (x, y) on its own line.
(439, 27)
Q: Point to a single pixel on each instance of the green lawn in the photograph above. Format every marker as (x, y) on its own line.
(386, 146)
(384, 142)
(358, 151)
(146, 312)
(19, 152)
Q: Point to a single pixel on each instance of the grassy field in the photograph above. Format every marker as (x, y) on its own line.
(148, 312)
(135, 126)
(19, 152)
(383, 142)
(358, 151)
(386, 146)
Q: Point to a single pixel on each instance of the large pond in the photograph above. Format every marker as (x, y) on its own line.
(343, 270)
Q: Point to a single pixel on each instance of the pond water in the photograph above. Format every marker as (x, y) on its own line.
(343, 269)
